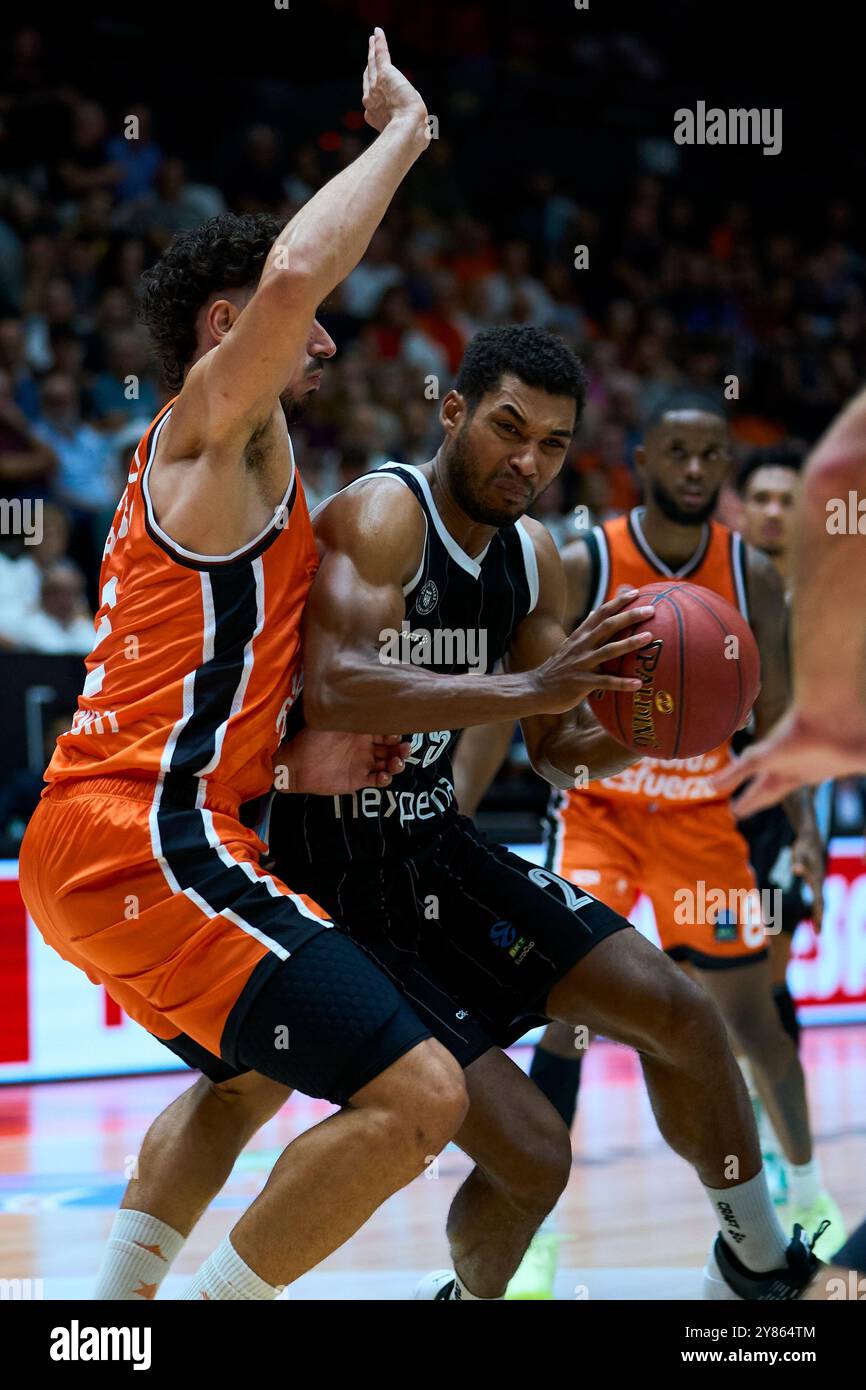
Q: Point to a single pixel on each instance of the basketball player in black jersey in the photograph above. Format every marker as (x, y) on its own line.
(478, 943)
(428, 577)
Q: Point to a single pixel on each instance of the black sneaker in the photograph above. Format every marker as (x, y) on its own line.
(726, 1277)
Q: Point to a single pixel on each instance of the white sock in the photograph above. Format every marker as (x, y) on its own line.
(225, 1277)
(804, 1183)
(749, 1223)
(138, 1256)
(461, 1293)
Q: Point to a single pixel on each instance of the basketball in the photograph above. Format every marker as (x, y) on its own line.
(700, 675)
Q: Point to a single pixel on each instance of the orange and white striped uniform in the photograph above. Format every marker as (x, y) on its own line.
(660, 827)
(141, 865)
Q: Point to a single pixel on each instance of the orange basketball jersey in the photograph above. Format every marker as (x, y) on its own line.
(620, 554)
(196, 658)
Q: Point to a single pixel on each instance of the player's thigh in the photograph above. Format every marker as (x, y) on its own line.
(629, 990)
(327, 1021)
(512, 1131)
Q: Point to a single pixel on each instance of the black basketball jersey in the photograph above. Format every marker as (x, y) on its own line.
(460, 616)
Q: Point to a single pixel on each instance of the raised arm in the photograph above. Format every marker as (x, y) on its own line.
(234, 388)
(371, 539)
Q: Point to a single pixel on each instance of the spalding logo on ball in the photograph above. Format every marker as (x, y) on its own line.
(700, 675)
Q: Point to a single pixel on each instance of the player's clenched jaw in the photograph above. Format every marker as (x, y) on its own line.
(499, 456)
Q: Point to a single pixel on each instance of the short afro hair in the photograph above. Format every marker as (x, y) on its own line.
(224, 253)
(538, 358)
(680, 399)
(783, 455)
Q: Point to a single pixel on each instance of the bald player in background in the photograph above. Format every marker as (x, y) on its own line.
(823, 732)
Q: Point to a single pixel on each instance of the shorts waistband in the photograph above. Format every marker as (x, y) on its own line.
(180, 793)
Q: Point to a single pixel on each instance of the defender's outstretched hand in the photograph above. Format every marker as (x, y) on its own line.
(794, 754)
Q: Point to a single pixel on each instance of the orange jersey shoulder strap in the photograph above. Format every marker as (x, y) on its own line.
(619, 554)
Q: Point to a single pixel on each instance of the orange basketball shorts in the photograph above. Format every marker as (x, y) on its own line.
(690, 860)
(163, 902)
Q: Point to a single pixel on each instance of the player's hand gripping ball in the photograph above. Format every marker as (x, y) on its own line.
(700, 675)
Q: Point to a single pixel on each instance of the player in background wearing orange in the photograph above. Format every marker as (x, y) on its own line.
(140, 865)
(661, 827)
(822, 734)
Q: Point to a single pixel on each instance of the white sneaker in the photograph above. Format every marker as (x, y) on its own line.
(440, 1285)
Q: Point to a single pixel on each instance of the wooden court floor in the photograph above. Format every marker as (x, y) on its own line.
(634, 1221)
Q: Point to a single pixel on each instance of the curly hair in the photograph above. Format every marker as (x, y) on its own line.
(224, 253)
(538, 358)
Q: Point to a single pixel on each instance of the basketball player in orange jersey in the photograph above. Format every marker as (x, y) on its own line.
(139, 865)
(661, 827)
(822, 734)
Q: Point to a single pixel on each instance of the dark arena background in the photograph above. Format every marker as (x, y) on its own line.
(555, 192)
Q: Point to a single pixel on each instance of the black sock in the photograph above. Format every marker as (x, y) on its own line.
(559, 1079)
(787, 1013)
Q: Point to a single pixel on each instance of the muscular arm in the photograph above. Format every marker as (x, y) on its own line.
(234, 388)
(371, 539)
(569, 748)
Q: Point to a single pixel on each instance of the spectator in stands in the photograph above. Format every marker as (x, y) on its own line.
(13, 361)
(22, 567)
(378, 272)
(86, 478)
(515, 295)
(27, 462)
(136, 155)
(124, 392)
(257, 182)
(61, 624)
(58, 309)
(87, 163)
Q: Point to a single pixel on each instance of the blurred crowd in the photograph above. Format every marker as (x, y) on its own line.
(666, 292)
(671, 287)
